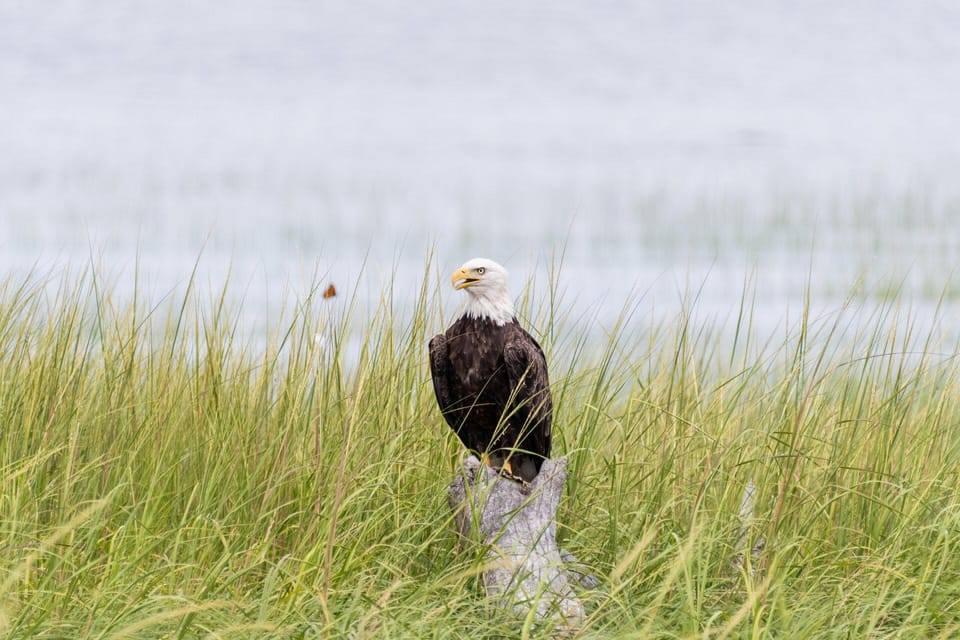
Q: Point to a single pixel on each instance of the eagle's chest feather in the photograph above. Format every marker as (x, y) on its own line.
(477, 357)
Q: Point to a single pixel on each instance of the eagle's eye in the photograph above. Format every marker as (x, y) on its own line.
(480, 270)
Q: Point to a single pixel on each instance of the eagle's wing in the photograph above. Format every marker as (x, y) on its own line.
(529, 382)
(440, 374)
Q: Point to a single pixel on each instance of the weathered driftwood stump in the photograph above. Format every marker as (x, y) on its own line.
(516, 523)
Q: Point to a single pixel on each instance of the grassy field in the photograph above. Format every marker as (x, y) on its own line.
(165, 475)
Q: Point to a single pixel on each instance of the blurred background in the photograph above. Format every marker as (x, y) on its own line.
(660, 148)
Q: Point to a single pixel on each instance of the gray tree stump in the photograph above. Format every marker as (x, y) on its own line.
(516, 523)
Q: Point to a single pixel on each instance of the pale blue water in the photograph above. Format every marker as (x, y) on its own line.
(660, 146)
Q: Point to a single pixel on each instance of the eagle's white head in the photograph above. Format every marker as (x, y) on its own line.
(485, 282)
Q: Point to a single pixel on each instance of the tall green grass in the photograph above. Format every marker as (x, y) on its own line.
(164, 474)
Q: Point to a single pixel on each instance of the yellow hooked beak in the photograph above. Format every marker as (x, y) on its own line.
(461, 279)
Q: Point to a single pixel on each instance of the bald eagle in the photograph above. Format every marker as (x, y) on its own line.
(490, 376)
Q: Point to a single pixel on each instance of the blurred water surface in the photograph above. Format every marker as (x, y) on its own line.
(664, 149)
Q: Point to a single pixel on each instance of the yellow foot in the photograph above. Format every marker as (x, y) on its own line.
(508, 472)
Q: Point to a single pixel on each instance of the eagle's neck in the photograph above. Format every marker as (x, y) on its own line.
(497, 308)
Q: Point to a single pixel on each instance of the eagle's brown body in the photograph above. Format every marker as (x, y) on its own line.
(492, 387)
